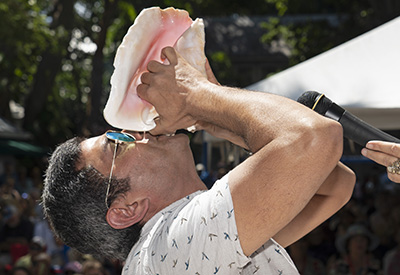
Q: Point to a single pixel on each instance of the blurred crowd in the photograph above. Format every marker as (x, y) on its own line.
(27, 244)
(362, 238)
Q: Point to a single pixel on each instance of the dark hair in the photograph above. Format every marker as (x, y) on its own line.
(74, 203)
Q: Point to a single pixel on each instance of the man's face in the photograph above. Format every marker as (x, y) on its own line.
(147, 153)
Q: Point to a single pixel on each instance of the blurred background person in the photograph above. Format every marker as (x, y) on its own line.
(355, 256)
(15, 234)
(19, 270)
(37, 261)
(391, 261)
(73, 268)
(305, 262)
(93, 267)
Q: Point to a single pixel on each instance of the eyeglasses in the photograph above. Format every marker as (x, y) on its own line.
(118, 138)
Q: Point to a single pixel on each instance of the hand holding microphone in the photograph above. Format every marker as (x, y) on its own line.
(380, 146)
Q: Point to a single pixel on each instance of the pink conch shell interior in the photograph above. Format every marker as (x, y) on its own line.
(152, 30)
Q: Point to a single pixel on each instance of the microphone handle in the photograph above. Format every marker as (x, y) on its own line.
(361, 132)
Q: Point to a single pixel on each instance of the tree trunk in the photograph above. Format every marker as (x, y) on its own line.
(50, 64)
(96, 121)
(5, 111)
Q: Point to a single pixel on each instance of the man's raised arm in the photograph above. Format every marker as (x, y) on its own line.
(294, 149)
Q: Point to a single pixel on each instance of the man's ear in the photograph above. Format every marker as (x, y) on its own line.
(120, 215)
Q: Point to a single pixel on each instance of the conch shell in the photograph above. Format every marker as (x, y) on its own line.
(153, 29)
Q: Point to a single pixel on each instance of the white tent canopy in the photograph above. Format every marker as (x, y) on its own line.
(361, 75)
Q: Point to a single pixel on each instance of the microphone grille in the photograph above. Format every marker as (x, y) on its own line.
(316, 101)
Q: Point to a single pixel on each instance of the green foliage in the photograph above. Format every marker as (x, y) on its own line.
(221, 66)
(281, 6)
(24, 34)
(305, 39)
(27, 34)
(126, 16)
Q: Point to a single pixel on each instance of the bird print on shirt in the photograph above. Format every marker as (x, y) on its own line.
(256, 269)
(163, 257)
(174, 244)
(211, 236)
(187, 264)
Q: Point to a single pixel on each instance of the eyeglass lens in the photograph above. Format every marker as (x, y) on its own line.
(120, 137)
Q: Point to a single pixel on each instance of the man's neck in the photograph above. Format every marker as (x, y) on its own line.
(176, 191)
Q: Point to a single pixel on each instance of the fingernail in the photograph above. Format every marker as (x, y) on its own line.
(369, 145)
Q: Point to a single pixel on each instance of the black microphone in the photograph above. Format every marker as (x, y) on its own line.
(353, 127)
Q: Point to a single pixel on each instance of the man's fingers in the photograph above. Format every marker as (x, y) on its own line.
(145, 78)
(170, 54)
(167, 53)
(159, 129)
(141, 91)
(154, 66)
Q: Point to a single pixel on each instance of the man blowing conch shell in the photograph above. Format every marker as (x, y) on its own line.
(153, 211)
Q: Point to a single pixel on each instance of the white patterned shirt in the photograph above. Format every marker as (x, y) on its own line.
(198, 235)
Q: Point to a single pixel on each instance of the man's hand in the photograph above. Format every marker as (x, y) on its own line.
(168, 88)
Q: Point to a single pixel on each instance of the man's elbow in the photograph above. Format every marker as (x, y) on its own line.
(325, 141)
(334, 134)
(331, 140)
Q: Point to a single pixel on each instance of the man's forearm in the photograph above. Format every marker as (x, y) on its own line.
(339, 184)
(333, 193)
(256, 117)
